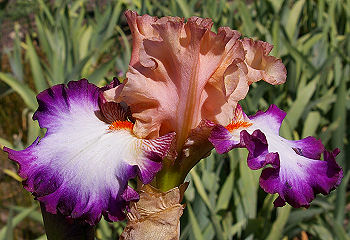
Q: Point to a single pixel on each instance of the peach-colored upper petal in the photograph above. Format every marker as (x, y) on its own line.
(166, 81)
(260, 65)
(181, 73)
(112, 95)
(140, 27)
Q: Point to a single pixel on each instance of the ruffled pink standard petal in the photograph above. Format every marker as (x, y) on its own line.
(181, 73)
(293, 169)
(172, 64)
(82, 165)
(260, 65)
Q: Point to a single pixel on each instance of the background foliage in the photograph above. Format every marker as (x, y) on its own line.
(54, 42)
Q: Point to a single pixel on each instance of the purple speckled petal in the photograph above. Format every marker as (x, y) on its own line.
(292, 169)
(82, 166)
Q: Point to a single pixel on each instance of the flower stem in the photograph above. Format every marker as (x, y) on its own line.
(168, 178)
(58, 227)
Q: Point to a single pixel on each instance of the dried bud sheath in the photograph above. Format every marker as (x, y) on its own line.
(156, 215)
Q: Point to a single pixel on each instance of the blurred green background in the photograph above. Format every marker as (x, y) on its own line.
(44, 43)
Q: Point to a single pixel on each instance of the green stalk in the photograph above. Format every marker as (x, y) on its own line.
(174, 172)
(168, 178)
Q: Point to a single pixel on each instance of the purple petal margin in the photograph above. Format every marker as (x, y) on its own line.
(322, 177)
(51, 166)
(293, 169)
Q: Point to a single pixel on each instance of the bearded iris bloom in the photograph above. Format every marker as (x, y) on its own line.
(182, 87)
(182, 74)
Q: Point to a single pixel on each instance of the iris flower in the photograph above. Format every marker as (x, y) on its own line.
(178, 101)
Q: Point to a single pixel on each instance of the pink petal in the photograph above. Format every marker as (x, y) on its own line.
(181, 73)
(260, 65)
(140, 27)
(175, 72)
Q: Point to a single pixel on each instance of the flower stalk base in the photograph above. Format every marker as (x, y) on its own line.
(58, 227)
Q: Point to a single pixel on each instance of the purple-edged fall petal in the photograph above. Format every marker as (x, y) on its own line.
(156, 215)
(293, 169)
(82, 165)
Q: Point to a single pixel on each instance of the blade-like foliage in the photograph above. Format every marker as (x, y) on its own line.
(82, 39)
